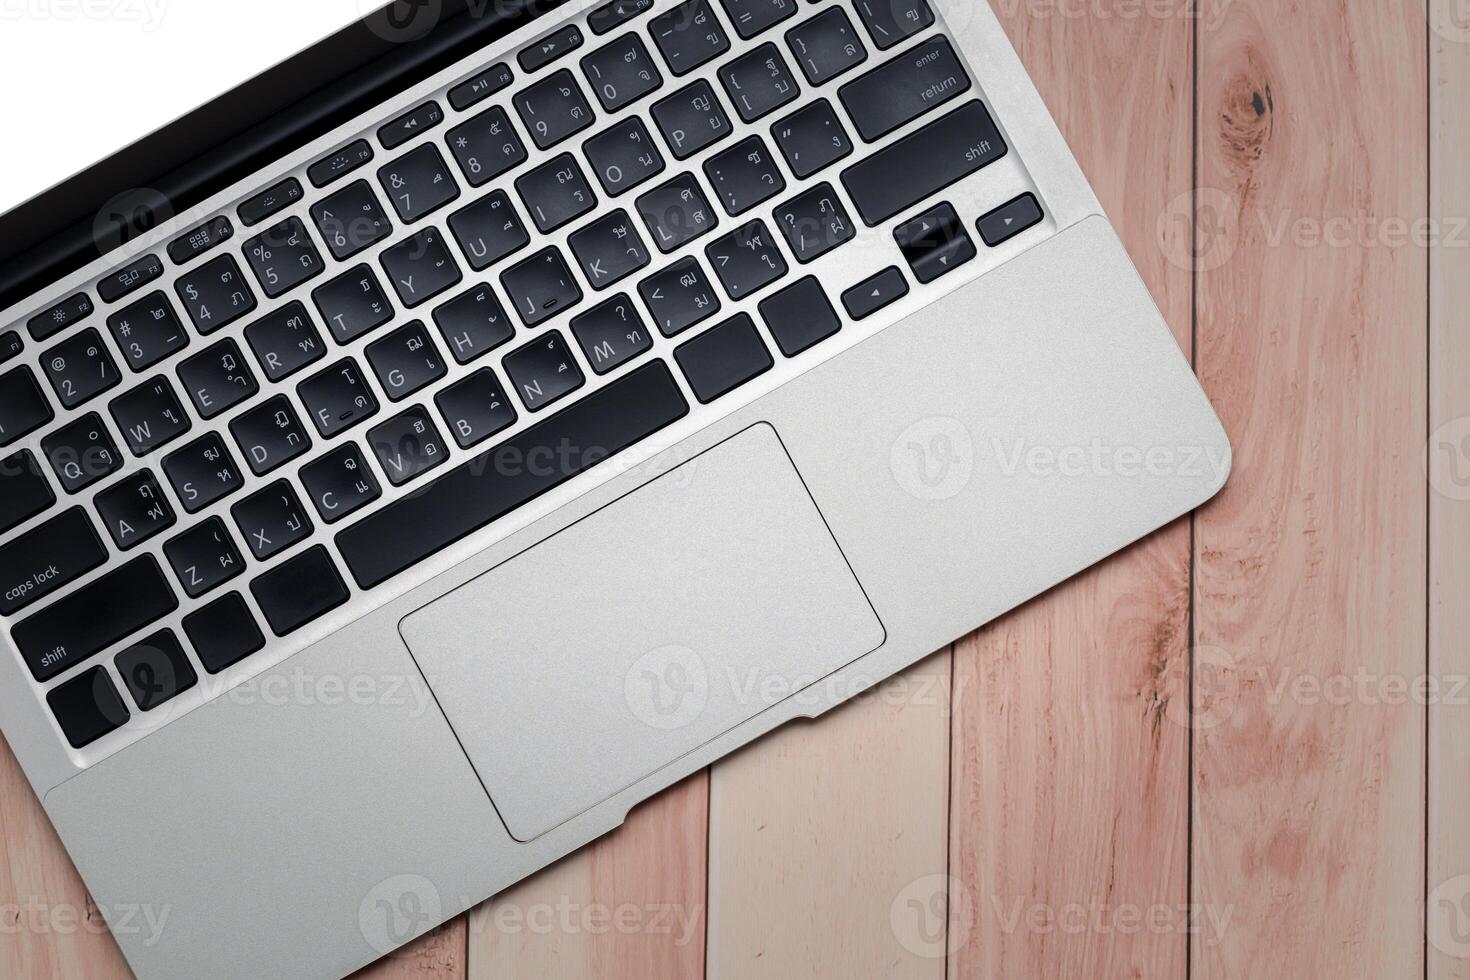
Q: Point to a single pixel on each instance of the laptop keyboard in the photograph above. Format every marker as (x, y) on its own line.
(454, 298)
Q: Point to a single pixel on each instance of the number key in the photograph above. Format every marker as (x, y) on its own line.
(283, 257)
(486, 146)
(80, 368)
(418, 183)
(622, 72)
(148, 330)
(351, 220)
(554, 109)
(215, 295)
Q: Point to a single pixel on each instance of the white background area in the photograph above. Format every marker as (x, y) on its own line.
(80, 79)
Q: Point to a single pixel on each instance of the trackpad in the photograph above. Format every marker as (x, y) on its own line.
(643, 631)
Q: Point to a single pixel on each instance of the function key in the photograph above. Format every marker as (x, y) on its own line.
(134, 510)
(689, 36)
(486, 147)
(131, 277)
(1009, 220)
(408, 445)
(613, 15)
(410, 124)
(473, 324)
(543, 371)
(283, 257)
(815, 223)
(272, 520)
(340, 483)
(204, 557)
(149, 330)
(88, 707)
(285, 341)
(193, 244)
(352, 304)
(800, 316)
(149, 416)
(11, 345)
(554, 109)
(481, 86)
(81, 452)
(351, 220)
(723, 358)
(339, 164)
(269, 201)
(338, 398)
(691, 119)
(611, 334)
(202, 473)
(475, 408)
(875, 293)
(550, 48)
(48, 558)
(24, 492)
(826, 46)
(70, 310)
(893, 21)
(223, 633)
(421, 267)
(156, 670)
(679, 297)
(270, 435)
(217, 379)
(621, 72)
(751, 17)
(302, 590)
(405, 361)
(79, 369)
(418, 183)
(935, 243)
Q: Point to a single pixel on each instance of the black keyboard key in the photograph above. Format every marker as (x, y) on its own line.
(622, 72)
(473, 324)
(406, 360)
(812, 139)
(900, 91)
(691, 119)
(418, 183)
(421, 267)
(541, 287)
(551, 47)
(679, 297)
(156, 670)
(94, 617)
(935, 243)
(130, 278)
(800, 316)
(489, 230)
(611, 334)
(723, 358)
(815, 223)
(826, 46)
(88, 707)
(476, 408)
(46, 558)
(481, 86)
(751, 17)
(223, 633)
(23, 407)
(351, 220)
(420, 120)
(689, 36)
(554, 109)
(356, 154)
(192, 244)
(610, 249)
(759, 82)
(204, 557)
(408, 445)
(202, 472)
(624, 156)
(79, 369)
(285, 341)
(924, 163)
(283, 257)
(338, 398)
(272, 520)
(617, 13)
(744, 176)
(51, 322)
(81, 453)
(340, 483)
(24, 492)
(486, 147)
(149, 416)
(302, 590)
(476, 493)
(352, 304)
(1009, 220)
(215, 294)
(875, 293)
(149, 330)
(747, 260)
(891, 22)
(134, 510)
(556, 192)
(217, 378)
(270, 201)
(544, 371)
(11, 345)
(270, 435)
(677, 213)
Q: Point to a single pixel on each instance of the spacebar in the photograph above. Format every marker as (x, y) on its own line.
(518, 470)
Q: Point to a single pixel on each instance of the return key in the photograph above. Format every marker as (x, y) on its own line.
(902, 90)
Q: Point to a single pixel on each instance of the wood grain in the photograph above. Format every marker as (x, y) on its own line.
(827, 839)
(441, 955)
(1070, 741)
(1448, 462)
(1309, 796)
(629, 907)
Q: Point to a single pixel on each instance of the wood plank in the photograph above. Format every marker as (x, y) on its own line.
(628, 907)
(828, 839)
(1448, 462)
(441, 955)
(1070, 727)
(1310, 792)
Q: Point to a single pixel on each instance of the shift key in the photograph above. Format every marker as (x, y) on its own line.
(47, 558)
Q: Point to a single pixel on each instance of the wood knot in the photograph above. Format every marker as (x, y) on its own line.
(1247, 116)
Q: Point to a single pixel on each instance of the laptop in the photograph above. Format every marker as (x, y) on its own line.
(496, 414)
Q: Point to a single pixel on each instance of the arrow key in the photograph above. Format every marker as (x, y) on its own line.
(872, 295)
(1010, 219)
(935, 243)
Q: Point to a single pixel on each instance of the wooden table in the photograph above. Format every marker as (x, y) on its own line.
(1237, 750)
